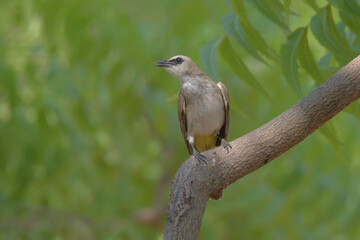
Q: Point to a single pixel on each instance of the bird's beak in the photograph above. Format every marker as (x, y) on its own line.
(163, 63)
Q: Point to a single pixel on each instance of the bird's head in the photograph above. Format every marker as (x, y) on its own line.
(180, 66)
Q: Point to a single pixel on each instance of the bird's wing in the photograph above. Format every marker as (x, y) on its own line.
(182, 120)
(224, 131)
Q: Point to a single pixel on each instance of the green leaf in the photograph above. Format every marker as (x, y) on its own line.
(349, 6)
(288, 60)
(307, 59)
(254, 37)
(327, 71)
(324, 29)
(239, 67)
(287, 4)
(324, 65)
(349, 11)
(325, 60)
(313, 5)
(208, 58)
(273, 10)
(233, 28)
(341, 28)
(352, 21)
(356, 43)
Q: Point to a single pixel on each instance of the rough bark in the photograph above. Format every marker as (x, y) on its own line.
(195, 183)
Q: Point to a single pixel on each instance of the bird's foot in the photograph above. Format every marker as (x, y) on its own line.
(226, 145)
(199, 157)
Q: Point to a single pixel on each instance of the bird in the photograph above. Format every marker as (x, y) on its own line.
(203, 107)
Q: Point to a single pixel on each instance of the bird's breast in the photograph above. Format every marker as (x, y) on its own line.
(204, 109)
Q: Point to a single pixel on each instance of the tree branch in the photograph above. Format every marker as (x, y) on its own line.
(194, 183)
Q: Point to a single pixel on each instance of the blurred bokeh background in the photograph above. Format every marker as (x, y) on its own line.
(89, 135)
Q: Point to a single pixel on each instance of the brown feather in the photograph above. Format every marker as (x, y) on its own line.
(224, 131)
(183, 120)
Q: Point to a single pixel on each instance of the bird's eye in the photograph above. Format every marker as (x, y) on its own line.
(179, 60)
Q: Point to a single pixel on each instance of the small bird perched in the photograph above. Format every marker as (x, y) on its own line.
(203, 107)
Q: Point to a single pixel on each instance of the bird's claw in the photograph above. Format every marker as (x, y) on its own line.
(226, 145)
(199, 157)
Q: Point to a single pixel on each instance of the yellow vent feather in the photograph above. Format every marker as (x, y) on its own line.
(203, 143)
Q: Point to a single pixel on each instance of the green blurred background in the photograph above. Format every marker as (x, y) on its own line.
(89, 135)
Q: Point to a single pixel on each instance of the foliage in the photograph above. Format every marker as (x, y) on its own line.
(303, 67)
(89, 132)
